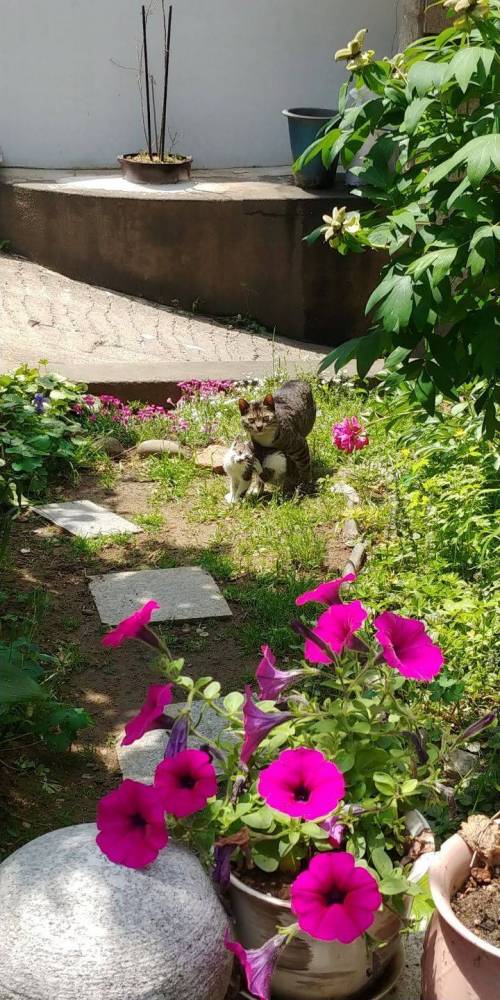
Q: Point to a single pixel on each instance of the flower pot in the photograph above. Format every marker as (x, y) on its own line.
(303, 126)
(318, 970)
(456, 964)
(155, 171)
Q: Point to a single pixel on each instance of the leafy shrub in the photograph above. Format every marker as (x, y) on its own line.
(27, 702)
(431, 173)
(39, 439)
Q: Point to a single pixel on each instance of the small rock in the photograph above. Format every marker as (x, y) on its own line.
(111, 446)
(212, 458)
(350, 533)
(348, 492)
(159, 447)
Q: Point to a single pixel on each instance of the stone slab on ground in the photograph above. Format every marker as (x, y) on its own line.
(212, 457)
(185, 593)
(86, 519)
(140, 760)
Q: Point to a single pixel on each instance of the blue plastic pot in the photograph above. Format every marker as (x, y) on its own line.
(304, 125)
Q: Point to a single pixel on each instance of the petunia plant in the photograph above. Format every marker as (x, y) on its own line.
(311, 778)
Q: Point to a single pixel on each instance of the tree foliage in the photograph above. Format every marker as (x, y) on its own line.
(431, 174)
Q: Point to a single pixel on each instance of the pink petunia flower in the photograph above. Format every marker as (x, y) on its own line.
(407, 647)
(131, 823)
(257, 724)
(258, 963)
(185, 782)
(326, 593)
(336, 627)
(334, 900)
(303, 783)
(134, 627)
(151, 714)
(349, 435)
(273, 682)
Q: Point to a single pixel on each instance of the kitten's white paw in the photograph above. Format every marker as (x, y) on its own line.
(229, 498)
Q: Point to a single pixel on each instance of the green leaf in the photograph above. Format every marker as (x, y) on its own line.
(439, 260)
(395, 310)
(384, 783)
(414, 113)
(425, 76)
(382, 861)
(341, 355)
(17, 686)
(233, 702)
(410, 786)
(370, 348)
(212, 691)
(266, 864)
(465, 64)
(393, 885)
(262, 819)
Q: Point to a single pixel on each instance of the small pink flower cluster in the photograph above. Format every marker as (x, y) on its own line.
(206, 388)
(349, 435)
(150, 412)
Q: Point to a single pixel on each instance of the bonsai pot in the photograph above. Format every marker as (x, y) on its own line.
(456, 964)
(144, 171)
(303, 126)
(318, 970)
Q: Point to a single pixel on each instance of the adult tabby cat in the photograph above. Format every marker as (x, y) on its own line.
(281, 422)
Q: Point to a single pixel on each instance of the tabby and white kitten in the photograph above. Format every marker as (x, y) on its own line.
(242, 466)
(281, 422)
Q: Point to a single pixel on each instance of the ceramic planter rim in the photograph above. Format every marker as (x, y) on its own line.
(442, 901)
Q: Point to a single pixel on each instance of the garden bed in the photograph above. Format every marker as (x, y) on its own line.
(426, 509)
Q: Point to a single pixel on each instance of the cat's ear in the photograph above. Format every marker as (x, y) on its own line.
(268, 401)
(244, 406)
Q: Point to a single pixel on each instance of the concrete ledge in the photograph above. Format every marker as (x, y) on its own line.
(225, 244)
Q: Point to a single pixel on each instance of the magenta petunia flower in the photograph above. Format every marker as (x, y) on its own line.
(131, 823)
(151, 715)
(257, 724)
(407, 647)
(303, 783)
(258, 963)
(349, 435)
(326, 593)
(273, 682)
(336, 627)
(333, 899)
(186, 782)
(134, 627)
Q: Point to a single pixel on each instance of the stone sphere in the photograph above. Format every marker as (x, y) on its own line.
(74, 926)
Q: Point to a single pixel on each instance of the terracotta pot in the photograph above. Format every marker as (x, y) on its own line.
(456, 964)
(318, 970)
(154, 172)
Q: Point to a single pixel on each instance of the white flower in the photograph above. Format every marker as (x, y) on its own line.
(364, 59)
(465, 6)
(352, 223)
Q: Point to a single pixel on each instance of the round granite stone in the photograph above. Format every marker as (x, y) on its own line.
(74, 926)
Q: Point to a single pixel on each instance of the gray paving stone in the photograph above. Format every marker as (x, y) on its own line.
(86, 519)
(184, 593)
(140, 760)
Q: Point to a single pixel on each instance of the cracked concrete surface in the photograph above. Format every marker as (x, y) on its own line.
(81, 328)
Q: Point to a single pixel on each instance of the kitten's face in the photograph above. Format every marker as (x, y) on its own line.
(258, 418)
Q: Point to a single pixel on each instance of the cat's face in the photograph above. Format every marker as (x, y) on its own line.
(258, 418)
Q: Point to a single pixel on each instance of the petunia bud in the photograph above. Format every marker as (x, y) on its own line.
(258, 964)
(477, 727)
(178, 737)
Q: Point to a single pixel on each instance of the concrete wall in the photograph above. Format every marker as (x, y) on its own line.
(65, 102)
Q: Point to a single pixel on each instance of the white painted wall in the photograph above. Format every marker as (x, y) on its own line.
(236, 63)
